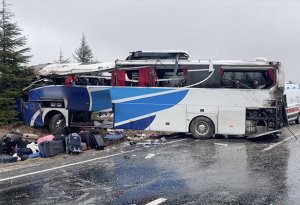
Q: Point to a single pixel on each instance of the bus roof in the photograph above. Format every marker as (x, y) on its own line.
(164, 54)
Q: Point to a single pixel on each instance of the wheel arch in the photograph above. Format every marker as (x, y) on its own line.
(48, 114)
(214, 126)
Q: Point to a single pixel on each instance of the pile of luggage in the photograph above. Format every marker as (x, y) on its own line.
(13, 146)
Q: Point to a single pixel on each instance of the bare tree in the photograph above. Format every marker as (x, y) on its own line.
(61, 58)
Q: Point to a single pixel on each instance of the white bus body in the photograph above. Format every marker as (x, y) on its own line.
(209, 103)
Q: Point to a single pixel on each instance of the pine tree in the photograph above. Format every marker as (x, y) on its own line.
(61, 58)
(13, 58)
(12, 43)
(83, 54)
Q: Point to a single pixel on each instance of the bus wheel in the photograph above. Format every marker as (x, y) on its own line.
(57, 124)
(202, 128)
(298, 119)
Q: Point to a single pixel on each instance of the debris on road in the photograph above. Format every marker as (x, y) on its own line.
(114, 136)
(27, 146)
(221, 144)
(149, 156)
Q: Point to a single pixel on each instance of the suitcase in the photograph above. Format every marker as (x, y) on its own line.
(1, 146)
(86, 137)
(73, 143)
(51, 148)
(8, 159)
(63, 138)
(99, 142)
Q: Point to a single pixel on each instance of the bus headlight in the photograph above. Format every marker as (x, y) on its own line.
(58, 104)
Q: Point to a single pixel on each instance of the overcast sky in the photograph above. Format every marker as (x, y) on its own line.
(206, 29)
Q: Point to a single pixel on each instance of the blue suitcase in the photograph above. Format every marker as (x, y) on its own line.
(73, 143)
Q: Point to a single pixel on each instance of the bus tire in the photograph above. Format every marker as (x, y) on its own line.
(202, 128)
(57, 124)
(298, 119)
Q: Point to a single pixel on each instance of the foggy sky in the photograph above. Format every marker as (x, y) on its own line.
(206, 29)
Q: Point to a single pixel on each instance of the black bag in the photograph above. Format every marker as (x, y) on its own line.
(10, 141)
(86, 137)
(63, 138)
(51, 148)
(99, 142)
(1, 146)
(23, 151)
(24, 157)
(13, 137)
(73, 143)
(8, 159)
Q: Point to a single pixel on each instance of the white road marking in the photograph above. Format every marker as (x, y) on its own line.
(221, 144)
(76, 163)
(278, 143)
(157, 201)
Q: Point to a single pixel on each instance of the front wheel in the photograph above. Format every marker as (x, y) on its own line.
(57, 124)
(202, 128)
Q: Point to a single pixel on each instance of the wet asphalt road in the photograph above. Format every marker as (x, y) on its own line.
(233, 171)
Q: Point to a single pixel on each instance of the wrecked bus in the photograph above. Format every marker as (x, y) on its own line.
(165, 91)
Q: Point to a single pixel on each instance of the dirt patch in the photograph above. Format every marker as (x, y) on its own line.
(23, 129)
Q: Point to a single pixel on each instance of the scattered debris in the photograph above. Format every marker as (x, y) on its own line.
(114, 136)
(163, 139)
(221, 144)
(126, 157)
(22, 146)
(149, 156)
(97, 123)
(127, 144)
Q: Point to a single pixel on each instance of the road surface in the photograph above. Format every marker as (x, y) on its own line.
(182, 171)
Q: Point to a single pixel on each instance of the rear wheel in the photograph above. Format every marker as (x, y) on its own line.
(57, 124)
(202, 128)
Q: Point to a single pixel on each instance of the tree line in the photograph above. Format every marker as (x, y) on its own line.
(14, 59)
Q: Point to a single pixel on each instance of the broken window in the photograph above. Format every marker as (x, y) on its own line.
(247, 79)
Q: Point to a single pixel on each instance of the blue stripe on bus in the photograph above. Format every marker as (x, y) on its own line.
(138, 124)
(136, 108)
(123, 92)
(38, 121)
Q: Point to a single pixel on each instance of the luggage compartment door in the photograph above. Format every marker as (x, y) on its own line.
(168, 119)
(231, 120)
